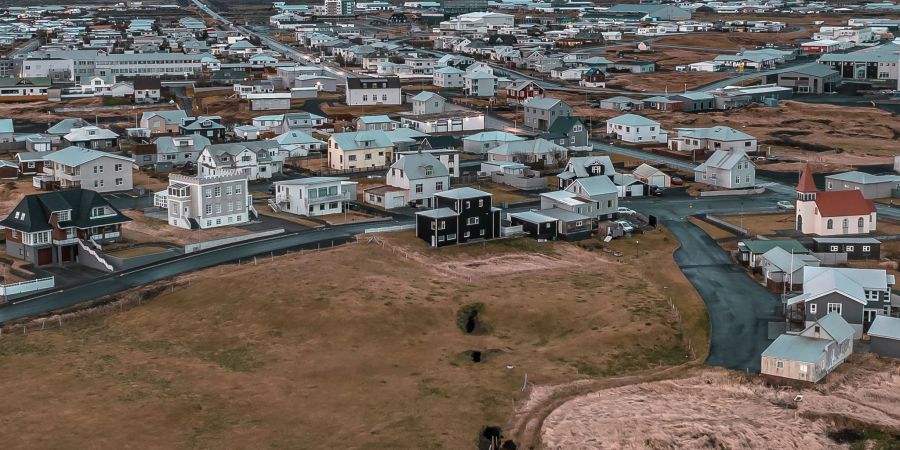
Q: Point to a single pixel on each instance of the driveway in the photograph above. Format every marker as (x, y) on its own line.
(739, 308)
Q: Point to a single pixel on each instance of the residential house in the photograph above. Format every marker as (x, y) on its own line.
(583, 167)
(92, 137)
(31, 163)
(541, 113)
(147, 89)
(79, 167)
(55, 228)
(583, 209)
(870, 186)
(601, 190)
(445, 154)
(448, 77)
(293, 144)
(532, 151)
(832, 213)
(635, 129)
(24, 89)
(206, 201)
(857, 295)
(783, 271)
(254, 159)
(314, 196)
(373, 91)
(537, 225)
(481, 143)
(246, 132)
(359, 149)
(300, 121)
(884, 336)
(6, 130)
(711, 139)
(620, 103)
(479, 84)
(811, 78)
(810, 355)
(728, 169)
(418, 176)
(569, 132)
(64, 127)
(375, 123)
(652, 176)
(171, 150)
(750, 251)
(460, 215)
(207, 126)
(520, 91)
(322, 83)
(426, 102)
(163, 122)
(854, 248)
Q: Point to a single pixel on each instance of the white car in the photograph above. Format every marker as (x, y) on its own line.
(627, 226)
(784, 204)
(624, 210)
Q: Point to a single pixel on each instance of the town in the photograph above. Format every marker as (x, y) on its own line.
(450, 224)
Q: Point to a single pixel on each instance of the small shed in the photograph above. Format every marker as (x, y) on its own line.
(535, 224)
(884, 336)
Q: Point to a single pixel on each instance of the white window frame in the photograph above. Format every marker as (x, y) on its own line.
(835, 308)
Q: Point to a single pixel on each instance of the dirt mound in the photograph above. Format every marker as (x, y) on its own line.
(722, 409)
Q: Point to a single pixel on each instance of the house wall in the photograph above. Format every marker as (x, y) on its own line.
(107, 180)
(813, 223)
(869, 190)
(339, 159)
(791, 369)
(628, 133)
(853, 250)
(886, 347)
(387, 96)
(851, 311)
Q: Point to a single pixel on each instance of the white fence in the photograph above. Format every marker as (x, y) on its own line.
(27, 286)
(191, 248)
(732, 192)
(411, 226)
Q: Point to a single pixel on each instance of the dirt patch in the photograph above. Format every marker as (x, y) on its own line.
(145, 229)
(722, 409)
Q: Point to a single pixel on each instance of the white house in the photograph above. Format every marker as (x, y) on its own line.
(314, 196)
(206, 202)
(832, 213)
(359, 149)
(635, 129)
(373, 91)
(419, 176)
(712, 139)
(295, 143)
(448, 77)
(480, 84)
(426, 102)
(727, 169)
(78, 167)
(254, 159)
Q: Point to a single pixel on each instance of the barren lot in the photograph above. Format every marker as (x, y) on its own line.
(358, 347)
(859, 404)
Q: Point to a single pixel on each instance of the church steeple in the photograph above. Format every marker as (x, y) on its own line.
(806, 188)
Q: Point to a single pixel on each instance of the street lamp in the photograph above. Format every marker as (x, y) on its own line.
(637, 251)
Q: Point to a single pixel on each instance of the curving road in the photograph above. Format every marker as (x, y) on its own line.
(118, 282)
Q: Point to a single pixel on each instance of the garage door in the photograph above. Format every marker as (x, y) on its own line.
(45, 256)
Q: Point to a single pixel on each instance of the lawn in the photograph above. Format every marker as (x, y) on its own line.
(364, 346)
(763, 224)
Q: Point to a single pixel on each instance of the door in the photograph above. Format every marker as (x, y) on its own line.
(45, 256)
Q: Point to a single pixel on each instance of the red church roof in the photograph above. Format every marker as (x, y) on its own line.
(842, 203)
(806, 183)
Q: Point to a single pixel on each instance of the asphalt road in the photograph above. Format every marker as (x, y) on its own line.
(739, 308)
(117, 282)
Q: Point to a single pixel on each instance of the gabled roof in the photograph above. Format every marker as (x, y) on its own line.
(645, 171)
(595, 185)
(6, 126)
(717, 133)
(232, 149)
(356, 139)
(89, 133)
(835, 326)
(462, 193)
(174, 116)
(853, 283)
(843, 203)
(66, 125)
(294, 137)
(885, 327)
(863, 178)
(760, 246)
(788, 262)
(413, 166)
(579, 165)
(797, 348)
(381, 118)
(500, 136)
(533, 147)
(633, 120)
(167, 144)
(73, 156)
(725, 159)
(542, 102)
(425, 96)
(33, 212)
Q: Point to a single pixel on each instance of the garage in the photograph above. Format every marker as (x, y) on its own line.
(45, 256)
(68, 253)
(884, 336)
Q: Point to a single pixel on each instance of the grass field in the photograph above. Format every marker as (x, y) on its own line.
(762, 223)
(364, 346)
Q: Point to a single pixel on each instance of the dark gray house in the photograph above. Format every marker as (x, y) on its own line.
(542, 112)
(884, 336)
(460, 215)
(854, 247)
(568, 132)
(808, 79)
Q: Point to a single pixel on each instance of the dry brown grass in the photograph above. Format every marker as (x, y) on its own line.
(357, 347)
(150, 230)
(710, 229)
(722, 409)
(763, 224)
(666, 81)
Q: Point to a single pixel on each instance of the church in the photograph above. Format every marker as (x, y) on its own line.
(832, 213)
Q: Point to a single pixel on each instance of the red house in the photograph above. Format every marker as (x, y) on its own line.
(523, 90)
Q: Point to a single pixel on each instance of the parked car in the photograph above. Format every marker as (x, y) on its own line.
(624, 210)
(271, 189)
(627, 226)
(677, 181)
(784, 204)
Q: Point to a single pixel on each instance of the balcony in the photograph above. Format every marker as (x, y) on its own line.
(105, 236)
(330, 198)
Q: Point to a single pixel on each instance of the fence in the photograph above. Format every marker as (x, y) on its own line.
(191, 248)
(24, 287)
(390, 229)
(830, 259)
(732, 192)
(727, 225)
(520, 182)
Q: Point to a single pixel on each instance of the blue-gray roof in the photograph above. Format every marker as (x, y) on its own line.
(886, 327)
(797, 348)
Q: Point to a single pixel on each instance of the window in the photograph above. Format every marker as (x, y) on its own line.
(834, 248)
(812, 308)
(208, 209)
(419, 188)
(227, 190)
(481, 203)
(119, 181)
(472, 221)
(218, 191)
(63, 216)
(208, 193)
(98, 211)
(779, 364)
(834, 308)
(803, 369)
(867, 248)
(850, 248)
(118, 167)
(467, 234)
(443, 225)
(830, 224)
(439, 186)
(237, 189)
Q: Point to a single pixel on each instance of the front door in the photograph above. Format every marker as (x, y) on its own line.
(45, 256)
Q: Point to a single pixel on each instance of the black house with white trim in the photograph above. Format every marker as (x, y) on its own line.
(460, 215)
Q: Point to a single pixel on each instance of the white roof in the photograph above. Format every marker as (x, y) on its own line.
(89, 133)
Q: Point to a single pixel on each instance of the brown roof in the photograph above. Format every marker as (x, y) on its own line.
(806, 183)
(843, 203)
(147, 83)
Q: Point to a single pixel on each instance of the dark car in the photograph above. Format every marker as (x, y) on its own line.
(677, 181)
